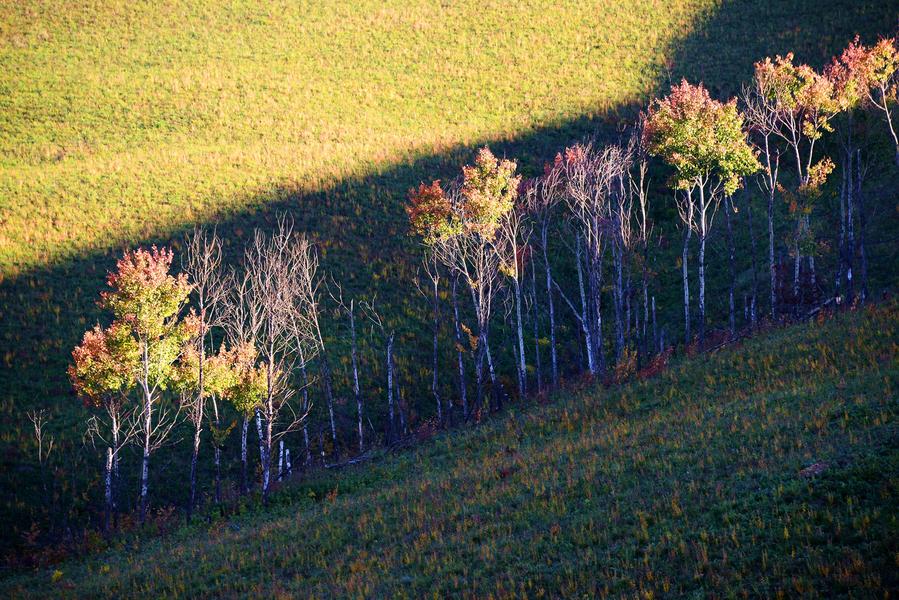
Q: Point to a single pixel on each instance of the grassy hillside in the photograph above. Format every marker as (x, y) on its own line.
(124, 123)
(768, 469)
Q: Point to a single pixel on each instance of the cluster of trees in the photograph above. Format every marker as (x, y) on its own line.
(242, 338)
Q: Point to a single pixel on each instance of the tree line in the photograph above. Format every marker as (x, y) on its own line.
(215, 340)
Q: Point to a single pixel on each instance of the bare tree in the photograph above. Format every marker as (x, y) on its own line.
(349, 309)
(387, 336)
(431, 271)
(202, 264)
(281, 270)
(593, 180)
(761, 115)
(638, 178)
(542, 196)
(512, 244)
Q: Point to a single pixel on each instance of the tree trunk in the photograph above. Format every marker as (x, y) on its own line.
(263, 455)
(841, 244)
(244, 481)
(308, 446)
(392, 422)
(596, 294)
(536, 330)
(753, 312)
(859, 197)
(463, 396)
(108, 490)
(585, 319)
(772, 266)
(216, 450)
(618, 299)
(435, 387)
(145, 460)
(497, 391)
(195, 454)
(731, 251)
(329, 394)
(552, 313)
(519, 326)
(357, 392)
(684, 257)
(701, 289)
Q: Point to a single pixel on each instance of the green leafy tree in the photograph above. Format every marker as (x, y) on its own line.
(801, 105)
(146, 300)
(460, 226)
(704, 140)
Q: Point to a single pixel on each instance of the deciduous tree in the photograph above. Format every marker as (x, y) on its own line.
(704, 141)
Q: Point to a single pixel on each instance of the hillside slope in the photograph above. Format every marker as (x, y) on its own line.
(764, 468)
(123, 124)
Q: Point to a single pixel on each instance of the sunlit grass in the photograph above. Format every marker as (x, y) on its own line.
(124, 121)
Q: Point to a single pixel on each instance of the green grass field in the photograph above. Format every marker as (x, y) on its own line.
(126, 123)
(695, 482)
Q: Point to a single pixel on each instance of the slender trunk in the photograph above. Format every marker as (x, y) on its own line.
(552, 312)
(244, 481)
(811, 258)
(391, 422)
(596, 294)
(325, 368)
(728, 207)
(850, 228)
(701, 288)
(519, 326)
(479, 374)
(628, 294)
(753, 313)
(463, 396)
(280, 460)
(497, 391)
(644, 281)
(684, 256)
(114, 479)
(703, 234)
(148, 429)
(306, 442)
(435, 386)
(108, 490)
(772, 266)
(356, 389)
(263, 456)
(306, 408)
(859, 197)
(841, 244)
(585, 319)
(536, 329)
(618, 299)
(269, 422)
(193, 471)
